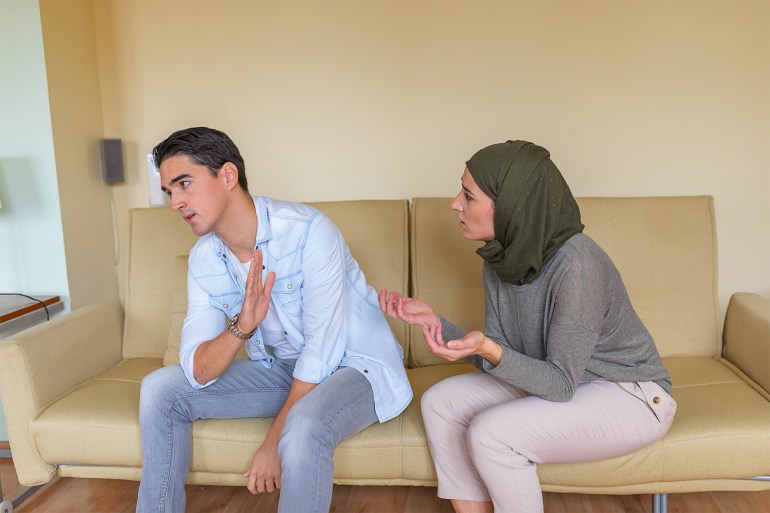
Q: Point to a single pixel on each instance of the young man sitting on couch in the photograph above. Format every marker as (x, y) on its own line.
(322, 358)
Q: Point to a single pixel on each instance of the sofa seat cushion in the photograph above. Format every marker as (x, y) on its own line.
(98, 422)
(382, 453)
(718, 417)
(713, 411)
(228, 446)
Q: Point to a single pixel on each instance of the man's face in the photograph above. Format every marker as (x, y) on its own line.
(197, 195)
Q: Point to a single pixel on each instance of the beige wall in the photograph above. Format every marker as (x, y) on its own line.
(387, 99)
(74, 91)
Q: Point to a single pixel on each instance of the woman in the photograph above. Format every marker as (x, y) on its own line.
(569, 373)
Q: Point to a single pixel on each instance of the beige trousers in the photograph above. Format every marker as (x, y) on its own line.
(486, 436)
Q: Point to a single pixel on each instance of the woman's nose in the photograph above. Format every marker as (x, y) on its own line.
(456, 204)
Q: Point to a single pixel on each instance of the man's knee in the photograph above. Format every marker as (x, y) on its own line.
(304, 435)
(158, 388)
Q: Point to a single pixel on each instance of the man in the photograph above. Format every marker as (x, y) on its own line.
(320, 351)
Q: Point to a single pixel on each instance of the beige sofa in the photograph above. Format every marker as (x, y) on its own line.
(70, 387)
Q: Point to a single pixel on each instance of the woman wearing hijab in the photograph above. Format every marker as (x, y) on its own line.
(569, 373)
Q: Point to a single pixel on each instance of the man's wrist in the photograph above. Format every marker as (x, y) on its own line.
(233, 328)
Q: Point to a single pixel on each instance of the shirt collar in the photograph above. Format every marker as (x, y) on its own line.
(263, 219)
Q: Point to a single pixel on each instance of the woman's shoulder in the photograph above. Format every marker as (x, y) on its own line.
(579, 255)
(581, 252)
(583, 246)
(581, 242)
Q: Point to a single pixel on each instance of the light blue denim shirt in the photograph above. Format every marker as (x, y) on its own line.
(320, 295)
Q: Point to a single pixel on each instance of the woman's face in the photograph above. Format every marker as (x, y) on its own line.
(475, 210)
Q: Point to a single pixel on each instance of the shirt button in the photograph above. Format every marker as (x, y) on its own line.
(225, 305)
(366, 371)
(656, 400)
(289, 286)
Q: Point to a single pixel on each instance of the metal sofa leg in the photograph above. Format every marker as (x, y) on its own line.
(660, 503)
(6, 506)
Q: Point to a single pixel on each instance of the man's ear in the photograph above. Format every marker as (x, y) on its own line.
(230, 175)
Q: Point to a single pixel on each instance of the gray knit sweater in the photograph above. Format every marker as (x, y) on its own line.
(574, 323)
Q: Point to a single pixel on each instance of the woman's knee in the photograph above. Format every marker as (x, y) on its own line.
(488, 435)
(496, 435)
(480, 434)
(436, 401)
(428, 400)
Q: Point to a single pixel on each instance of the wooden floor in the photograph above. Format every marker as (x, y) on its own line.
(68, 495)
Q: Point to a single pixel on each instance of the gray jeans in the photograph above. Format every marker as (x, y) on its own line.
(336, 409)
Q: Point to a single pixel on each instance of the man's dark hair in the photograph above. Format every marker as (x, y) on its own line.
(206, 147)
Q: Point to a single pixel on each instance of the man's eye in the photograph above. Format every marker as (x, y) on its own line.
(167, 193)
(184, 183)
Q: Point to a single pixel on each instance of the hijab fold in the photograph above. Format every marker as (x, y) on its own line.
(535, 212)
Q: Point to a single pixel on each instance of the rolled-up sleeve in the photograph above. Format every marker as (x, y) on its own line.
(203, 322)
(324, 296)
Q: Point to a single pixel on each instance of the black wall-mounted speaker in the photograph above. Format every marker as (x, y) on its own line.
(112, 160)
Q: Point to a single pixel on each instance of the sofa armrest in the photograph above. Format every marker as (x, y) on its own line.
(43, 363)
(746, 336)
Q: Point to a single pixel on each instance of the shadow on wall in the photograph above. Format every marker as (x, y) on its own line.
(24, 209)
(20, 195)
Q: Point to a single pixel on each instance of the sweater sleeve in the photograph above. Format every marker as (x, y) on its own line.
(557, 377)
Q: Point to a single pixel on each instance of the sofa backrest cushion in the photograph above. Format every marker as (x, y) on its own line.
(157, 236)
(664, 247)
(375, 230)
(377, 233)
(446, 272)
(179, 312)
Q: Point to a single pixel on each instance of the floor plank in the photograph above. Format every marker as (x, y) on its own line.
(70, 495)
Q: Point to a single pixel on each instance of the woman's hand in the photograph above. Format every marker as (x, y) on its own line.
(256, 300)
(264, 475)
(411, 311)
(474, 342)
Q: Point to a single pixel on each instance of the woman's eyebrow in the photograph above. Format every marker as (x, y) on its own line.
(466, 189)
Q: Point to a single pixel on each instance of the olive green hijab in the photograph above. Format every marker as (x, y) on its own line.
(535, 212)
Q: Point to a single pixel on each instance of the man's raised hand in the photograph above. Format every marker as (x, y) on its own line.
(256, 300)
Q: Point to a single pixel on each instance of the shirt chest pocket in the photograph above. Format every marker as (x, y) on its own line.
(230, 303)
(287, 292)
